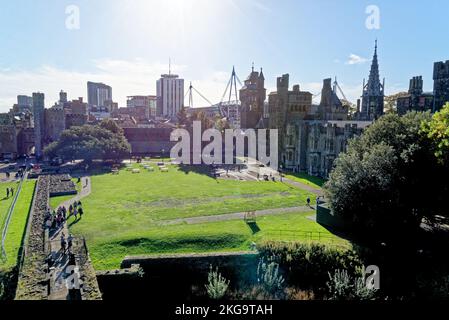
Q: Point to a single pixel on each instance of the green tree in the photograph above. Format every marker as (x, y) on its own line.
(388, 180)
(182, 117)
(437, 130)
(89, 143)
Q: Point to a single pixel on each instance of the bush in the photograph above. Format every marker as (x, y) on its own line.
(217, 284)
(343, 286)
(269, 278)
(308, 265)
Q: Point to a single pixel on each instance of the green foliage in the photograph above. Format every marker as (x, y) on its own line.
(437, 131)
(383, 181)
(182, 117)
(217, 285)
(104, 141)
(343, 286)
(308, 265)
(269, 278)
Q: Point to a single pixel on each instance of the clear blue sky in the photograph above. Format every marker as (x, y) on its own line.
(127, 44)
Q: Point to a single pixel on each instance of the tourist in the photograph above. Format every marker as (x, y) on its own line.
(75, 213)
(63, 243)
(7, 193)
(69, 242)
(12, 192)
(308, 201)
(80, 211)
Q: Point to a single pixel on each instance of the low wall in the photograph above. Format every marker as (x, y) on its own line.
(176, 276)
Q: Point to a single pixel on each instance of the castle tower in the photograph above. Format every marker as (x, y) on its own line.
(252, 98)
(440, 84)
(373, 92)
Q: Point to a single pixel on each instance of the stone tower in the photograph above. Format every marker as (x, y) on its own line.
(252, 98)
(373, 93)
(440, 84)
(39, 122)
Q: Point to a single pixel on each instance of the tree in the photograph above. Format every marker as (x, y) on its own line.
(182, 117)
(89, 143)
(388, 180)
(111, 125)
(437, 130)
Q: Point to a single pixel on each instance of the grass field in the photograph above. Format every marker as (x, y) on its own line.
(123, 214)
(312, 181)
(17, 224)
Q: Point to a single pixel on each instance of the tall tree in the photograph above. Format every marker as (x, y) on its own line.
(385, 181)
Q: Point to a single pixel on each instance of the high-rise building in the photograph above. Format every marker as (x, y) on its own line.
(98, 94)
(170, 95)
(373, 93)
(440, 84)
(39, 123)
(146, 103)
(252, 97)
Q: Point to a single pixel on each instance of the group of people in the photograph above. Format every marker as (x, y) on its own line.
(54, 220)
(9, 191)
(66, 244)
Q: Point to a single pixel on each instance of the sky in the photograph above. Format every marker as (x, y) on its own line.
(128, 44)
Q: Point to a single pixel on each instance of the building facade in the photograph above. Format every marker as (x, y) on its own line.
(39, 122)
(170, 95)
(98, 94)
(440, 84)
(416, 99)
(252, 98)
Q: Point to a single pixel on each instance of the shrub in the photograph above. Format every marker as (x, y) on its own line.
(308, 265)
(269, 278)
(217, 285)
(343, 286)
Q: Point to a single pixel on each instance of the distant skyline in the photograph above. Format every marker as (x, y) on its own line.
(127, 44)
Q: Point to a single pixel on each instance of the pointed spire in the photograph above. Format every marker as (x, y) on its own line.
(261, 76)
(252, 70)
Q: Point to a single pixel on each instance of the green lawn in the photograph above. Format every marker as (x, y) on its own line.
(312, 181)
(56, 201)
(5, 203)
(235, 235)
(124, 212)
(17, 224)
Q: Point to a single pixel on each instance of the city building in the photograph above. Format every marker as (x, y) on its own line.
(54, 123)
(98, 94)
(39, 122)
(310, 137)
(62, 97)
(373, 93)
(147, 104)
(416, 99)
(170, 95)
(440, 84)
(252, 98)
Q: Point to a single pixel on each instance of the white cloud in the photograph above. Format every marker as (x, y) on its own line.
(355, 59)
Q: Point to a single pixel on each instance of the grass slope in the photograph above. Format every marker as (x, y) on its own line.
(17, 224)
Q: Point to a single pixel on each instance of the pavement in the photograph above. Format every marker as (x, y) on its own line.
(59, 274)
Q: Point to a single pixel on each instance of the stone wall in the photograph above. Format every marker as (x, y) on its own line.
(61, 185)
(32, 284)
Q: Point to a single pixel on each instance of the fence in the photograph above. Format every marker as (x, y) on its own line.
(306, 236)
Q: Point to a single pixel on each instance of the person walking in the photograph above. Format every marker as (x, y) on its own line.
(63, 243)
(12, 192)
(308, 201)
(69, 242)
(7, 193)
